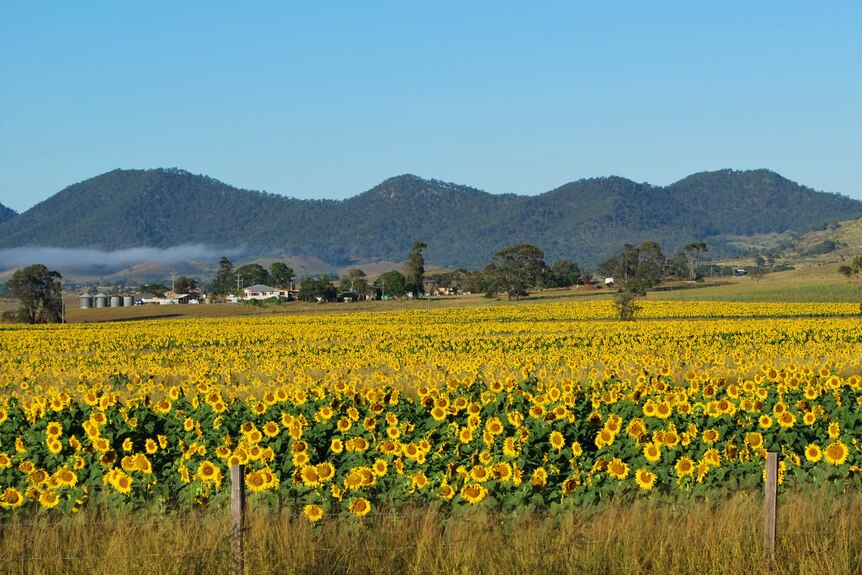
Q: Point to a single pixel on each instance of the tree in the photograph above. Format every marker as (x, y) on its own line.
(184, 285)
(516, 269)
(415, 267)
(853, 272)
(651, 265)
(317, 289)
(692, 253)
(352, 280)
(392, 283)
(622, 266)
(565, 273)
(252, 274)
(625, 300)
(281, 275)
(225, 280)
(40, 293)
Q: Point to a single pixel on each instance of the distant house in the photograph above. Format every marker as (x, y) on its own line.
(173, 297)
(259, 291)
(740, 272)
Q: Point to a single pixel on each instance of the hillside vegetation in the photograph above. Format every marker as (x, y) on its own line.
(587, 220)
(6, 213)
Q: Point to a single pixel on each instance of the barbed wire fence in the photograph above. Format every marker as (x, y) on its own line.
(234, 530)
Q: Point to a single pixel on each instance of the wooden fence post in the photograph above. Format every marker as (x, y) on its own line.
(237, 518)
(770, 505)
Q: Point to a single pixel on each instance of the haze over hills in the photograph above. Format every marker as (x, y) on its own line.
(587, 220)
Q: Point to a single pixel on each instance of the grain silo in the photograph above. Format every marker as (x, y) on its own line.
(86, 301)
(101, 300)
(116, 301)
(128, 301)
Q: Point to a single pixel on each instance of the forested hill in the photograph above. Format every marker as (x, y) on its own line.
(586, 220)
(6, 213)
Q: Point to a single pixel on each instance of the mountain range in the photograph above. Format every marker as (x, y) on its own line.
(587, 220)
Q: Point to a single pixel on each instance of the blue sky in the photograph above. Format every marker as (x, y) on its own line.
(326, 100)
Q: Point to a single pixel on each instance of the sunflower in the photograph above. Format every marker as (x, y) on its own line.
(645, 479)
(754, 439)
(510, 447)
(312, 512)
(207, 471)
(446, 491)
(539, 478)
(143, 464)
(11, 498)
(636, 428)
(299, 459)
(309, 475)
(256, 481)
(765, 421)
(48, 499)
(325, 470)
(684, 467)
(663, 410)
(605, 437)
(66, 477)
(501, 471)
(557, 440)
(5, 461)
(671, 438)
(54, 429)
(353, 479)
(813, 453)
(270, 429)
(122, 483)
(367, 476)
(360, 507)
(419, 480)
(617, 468)
(834, 430)
(652, 452)
(836, 453)
(359, 444)
(480, 473)
(494, 426)
(710, 436)
(336, 445)
(150, 446)
(786, 419)
(473, 493)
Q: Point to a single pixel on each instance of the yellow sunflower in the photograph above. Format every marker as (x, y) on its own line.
(313, 513)
(617, 468)
(836, 453)
(473, 493)
(360, 507)
(684, 467)
(813, 453)
(645, 478)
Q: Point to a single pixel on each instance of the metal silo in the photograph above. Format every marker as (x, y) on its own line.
(128, 301)
(116, 301)
(86, 301)
(101, 300)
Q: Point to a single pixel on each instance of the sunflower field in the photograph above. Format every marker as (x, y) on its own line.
(505, 408)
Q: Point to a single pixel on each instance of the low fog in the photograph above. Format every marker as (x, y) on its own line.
(61, 259)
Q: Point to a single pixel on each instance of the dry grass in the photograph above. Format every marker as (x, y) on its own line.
(818, 534)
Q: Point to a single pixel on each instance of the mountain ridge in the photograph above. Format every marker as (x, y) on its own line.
(585, 220)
